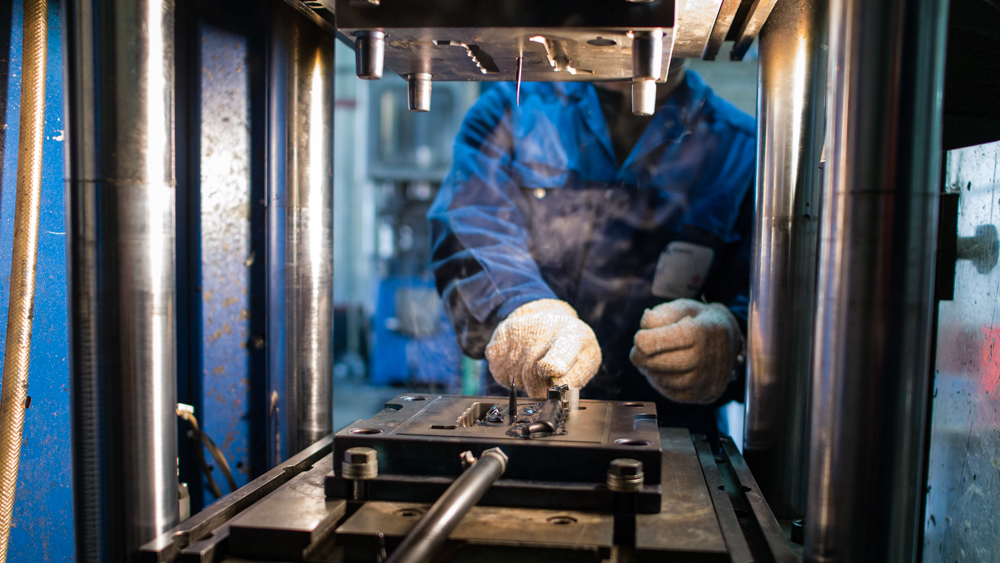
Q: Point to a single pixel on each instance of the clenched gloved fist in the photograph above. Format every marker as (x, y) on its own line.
(687, 350)
(543, 343)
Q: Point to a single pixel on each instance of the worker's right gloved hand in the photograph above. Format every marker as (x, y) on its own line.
(543, 343)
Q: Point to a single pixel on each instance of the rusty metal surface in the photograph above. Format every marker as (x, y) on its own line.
(686, 522)
(226, 254)
(284, 525)
(963, 487)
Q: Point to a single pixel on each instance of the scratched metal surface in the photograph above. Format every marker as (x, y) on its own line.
(43, 511)
(964, 476)
(225, 246)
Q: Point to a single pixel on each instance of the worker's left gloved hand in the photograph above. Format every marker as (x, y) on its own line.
(688, 349)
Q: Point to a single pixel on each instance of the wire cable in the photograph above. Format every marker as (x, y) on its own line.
(14, 399)
(187, 414)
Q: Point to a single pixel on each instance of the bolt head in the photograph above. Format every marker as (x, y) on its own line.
(360, 456)
(626, 467)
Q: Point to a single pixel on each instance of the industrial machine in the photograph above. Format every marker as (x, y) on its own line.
(463, 478)
(852, 252)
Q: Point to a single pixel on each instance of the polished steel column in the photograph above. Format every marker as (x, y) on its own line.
(791, 88)
(879, 226)
(300, 229)
(120, 204)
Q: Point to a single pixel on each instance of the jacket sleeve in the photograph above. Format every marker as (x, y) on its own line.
(479, 237)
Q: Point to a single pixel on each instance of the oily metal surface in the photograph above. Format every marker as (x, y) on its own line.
(290, 520)
(739, 551)
(203, 525)
(487, 524)
(590, 425)
(407, 444)
(695, 21)
(687, 521)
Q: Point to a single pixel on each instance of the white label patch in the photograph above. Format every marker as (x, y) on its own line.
(681, 270)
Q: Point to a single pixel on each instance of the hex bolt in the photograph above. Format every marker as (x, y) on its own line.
(625, 476)
(418, 91)
(359, 465)
(647, 66)
(625, 479)
(369, 52)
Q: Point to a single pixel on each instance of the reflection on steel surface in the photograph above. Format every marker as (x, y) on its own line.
(121, 187)
(300, 227)
(792, 84)
(880, 200)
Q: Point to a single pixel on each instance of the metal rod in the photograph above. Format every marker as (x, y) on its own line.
(432, 531)
(880, 209)
(24, 261)
(792, 82)
(300, 225)
(121, 191)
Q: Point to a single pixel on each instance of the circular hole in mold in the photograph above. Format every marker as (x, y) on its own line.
(366, 431)
(601, 42)
(412, 398)
(635, 405)
(561, 520)
(410, 512)
(631, 442)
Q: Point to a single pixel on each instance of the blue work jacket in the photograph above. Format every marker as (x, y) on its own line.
(537, 206)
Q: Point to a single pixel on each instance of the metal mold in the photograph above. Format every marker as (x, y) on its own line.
(419, 443)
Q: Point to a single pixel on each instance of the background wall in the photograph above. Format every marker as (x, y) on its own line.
(963, 488)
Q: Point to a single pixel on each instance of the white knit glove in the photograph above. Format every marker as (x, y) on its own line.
(687, 350)
(543, 343)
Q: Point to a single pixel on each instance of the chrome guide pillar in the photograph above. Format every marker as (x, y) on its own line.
(300, 229)
(120, 205)
(878, 233)
(791, 87)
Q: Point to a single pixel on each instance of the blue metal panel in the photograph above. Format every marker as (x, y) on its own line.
(43, 515)
(226, 255)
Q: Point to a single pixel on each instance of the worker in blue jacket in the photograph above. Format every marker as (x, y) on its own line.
(575, 243)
